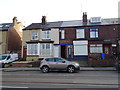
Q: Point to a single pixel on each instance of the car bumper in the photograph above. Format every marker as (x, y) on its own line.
(77, 68)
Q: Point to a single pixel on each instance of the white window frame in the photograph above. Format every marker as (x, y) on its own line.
(46, 49)
(46, 34)
(80, 33)
(32, 49)
(94, 33)
(96, 48)
(95, 19)
(62, 34)
(80, 47)
(34, 35)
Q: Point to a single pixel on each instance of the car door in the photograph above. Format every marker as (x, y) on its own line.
(60, 63)
(51, 63)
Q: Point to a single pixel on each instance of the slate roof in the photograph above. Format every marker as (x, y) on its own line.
(73, 23)
(40, 26)
(5, 26)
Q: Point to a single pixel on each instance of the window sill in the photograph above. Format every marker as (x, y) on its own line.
(62, 39)
(32, 55)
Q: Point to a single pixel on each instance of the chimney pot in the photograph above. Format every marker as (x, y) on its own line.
(44, 20)
(14, 21)
(84, 17)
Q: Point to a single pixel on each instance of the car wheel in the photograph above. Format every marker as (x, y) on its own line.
(3, 65)
(45, 69)
(71, 69)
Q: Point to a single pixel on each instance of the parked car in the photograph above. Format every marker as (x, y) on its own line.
(117, 64)
(48, 64)
(7, 58)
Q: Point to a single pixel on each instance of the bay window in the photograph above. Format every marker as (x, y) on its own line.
(32, 49)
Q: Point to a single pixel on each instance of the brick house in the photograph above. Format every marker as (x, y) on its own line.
(40, 40)
(11, 37)
(94, 39)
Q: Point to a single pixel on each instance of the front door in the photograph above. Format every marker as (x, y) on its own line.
(63, 53)
(107, 51)
(69, 52)
(24, 53)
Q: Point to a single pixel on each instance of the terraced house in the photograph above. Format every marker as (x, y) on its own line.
(11, 37)
(85, 39)
(41, 40)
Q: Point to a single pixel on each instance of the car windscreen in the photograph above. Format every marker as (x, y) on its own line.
(2, 57)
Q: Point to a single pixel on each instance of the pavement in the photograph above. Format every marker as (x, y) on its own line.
(37, 69)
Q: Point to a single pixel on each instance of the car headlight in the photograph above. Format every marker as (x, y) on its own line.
(77, 64)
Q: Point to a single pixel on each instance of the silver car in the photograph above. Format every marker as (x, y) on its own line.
(48, 64)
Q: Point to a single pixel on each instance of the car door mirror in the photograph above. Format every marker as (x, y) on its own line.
(63, 61)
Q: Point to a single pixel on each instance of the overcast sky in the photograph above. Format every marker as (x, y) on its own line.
(31, 11)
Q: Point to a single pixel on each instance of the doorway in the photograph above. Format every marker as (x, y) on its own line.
(63, 51)
(69, 52)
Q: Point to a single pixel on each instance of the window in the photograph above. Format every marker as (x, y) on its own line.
(46, 48)
(95, 19)
(80, 33)
(80, 47)
(50, 59)
(94, 33)
(34, 35)
(32, 49)
(96, 48)
(58, 59)
(46, 34)
(62, 34)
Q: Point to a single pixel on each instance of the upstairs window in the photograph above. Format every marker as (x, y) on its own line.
(46, 34)
(34, 35)
(80, 33)
(94, 33)
(95, 20)
(62, 34)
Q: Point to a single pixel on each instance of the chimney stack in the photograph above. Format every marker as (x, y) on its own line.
(84, 17)
(14, 21)
(44, 20)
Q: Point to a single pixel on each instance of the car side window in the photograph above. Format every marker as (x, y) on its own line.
(50, 59)
(58, 59)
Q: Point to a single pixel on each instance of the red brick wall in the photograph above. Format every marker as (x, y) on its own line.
(14, 40)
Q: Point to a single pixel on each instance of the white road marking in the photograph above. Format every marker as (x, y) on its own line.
(12, 87)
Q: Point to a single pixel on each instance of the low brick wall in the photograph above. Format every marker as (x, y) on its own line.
(21, 64)
(104, 62)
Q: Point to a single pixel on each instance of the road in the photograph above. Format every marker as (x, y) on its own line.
(82, 79)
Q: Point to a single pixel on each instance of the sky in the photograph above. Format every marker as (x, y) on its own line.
(31, 11)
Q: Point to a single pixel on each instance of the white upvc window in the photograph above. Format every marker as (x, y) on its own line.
(80, 33)
(46, 34)
(46, 49)
(80, 47)
(93, 33)
(32, 49)
(62, 34)
(34, 35)
(96, 48)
